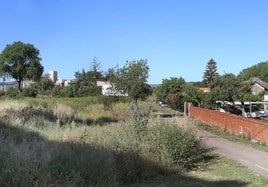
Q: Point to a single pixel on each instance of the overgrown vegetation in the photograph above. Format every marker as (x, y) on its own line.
(47, 143)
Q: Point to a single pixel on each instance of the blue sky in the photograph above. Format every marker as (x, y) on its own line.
(178, 37)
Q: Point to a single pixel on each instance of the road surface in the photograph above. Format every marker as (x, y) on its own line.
(252, 158)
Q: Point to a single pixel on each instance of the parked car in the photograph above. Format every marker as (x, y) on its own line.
(164, 104)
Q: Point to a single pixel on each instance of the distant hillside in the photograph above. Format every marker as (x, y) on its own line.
(259, 70)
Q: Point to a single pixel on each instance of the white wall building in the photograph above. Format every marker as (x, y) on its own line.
(53, 75)
(108, 90)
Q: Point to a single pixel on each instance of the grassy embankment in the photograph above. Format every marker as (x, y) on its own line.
(74, 142)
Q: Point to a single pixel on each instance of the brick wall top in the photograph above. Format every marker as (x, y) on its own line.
(238, 125)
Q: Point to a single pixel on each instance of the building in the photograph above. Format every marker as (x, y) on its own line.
(53, 75)
(108, 90)
(204, 89)
(5, 85)
(259, 86)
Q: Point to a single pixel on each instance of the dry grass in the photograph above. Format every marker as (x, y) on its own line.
(35, 150)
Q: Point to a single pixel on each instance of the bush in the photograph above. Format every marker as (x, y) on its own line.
(29, 92)
(176, 146)
(36, 152)
(2, 93)
(140, 115)
(12, 92)
(65, 114)
(82, 165)
(108, 102)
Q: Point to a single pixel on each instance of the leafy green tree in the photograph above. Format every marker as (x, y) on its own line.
(210, 72)
(43, 86)
(94, 74)
(175, 100)
(192, 94)
(169, 86)
(230, 88)
(259, 70)
(131, 79)
(86, 81)
(81, 80)
(110, 73)
(22, 62)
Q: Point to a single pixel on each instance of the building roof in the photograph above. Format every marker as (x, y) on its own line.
(204, 89)
(260, 82)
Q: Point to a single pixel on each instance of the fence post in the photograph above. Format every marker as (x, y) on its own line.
(185, 109)
(189, 108)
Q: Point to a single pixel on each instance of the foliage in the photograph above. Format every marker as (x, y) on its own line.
(175, 101)
(68, 91)
(65, 114)
(85, 83)
(230, 88)
(169, 86)
(36, 151)
(12, 92)
(109, 102)
(193, 95)
(2, 93)
(95, 74)
(198, 84)
(44, 85)
(140, 116)
(259, 70)
(22, 62)
(177, 145)
(131, 79)
(29, 92)
(109, 75)
(210, 72)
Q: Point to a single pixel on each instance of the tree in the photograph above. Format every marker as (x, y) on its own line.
(110, 73)
(44, 85)
(22, 62)
(86, 81)
(132, 80)
(210, 72)
(169, 86)
(94, 74)
(229, 88)
(192, 94)
(174, 100)
(259, 70)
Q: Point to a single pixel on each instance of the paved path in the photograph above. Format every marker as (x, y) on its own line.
(254, 159)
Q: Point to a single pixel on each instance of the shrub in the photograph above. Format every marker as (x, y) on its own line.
(82, 165)
(2, 93)
(140, 115)
(108, 102)
(12, 92)
(29, 92)
(39, 153)
(65, 114)
(175, 101)
(176, 146)
(29, 113)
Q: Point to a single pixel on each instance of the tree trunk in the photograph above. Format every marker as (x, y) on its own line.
(20, 88)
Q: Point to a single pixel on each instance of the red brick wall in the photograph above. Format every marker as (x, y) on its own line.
(257, 129)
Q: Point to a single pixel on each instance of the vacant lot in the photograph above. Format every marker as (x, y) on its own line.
(75, 142)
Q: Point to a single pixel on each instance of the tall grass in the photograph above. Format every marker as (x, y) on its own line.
(35, 150)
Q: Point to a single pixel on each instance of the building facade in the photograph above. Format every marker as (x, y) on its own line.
(53, 75)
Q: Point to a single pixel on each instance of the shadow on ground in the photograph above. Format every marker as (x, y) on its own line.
(28, 159)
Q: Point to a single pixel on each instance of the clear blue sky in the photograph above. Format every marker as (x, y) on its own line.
(178, 37)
